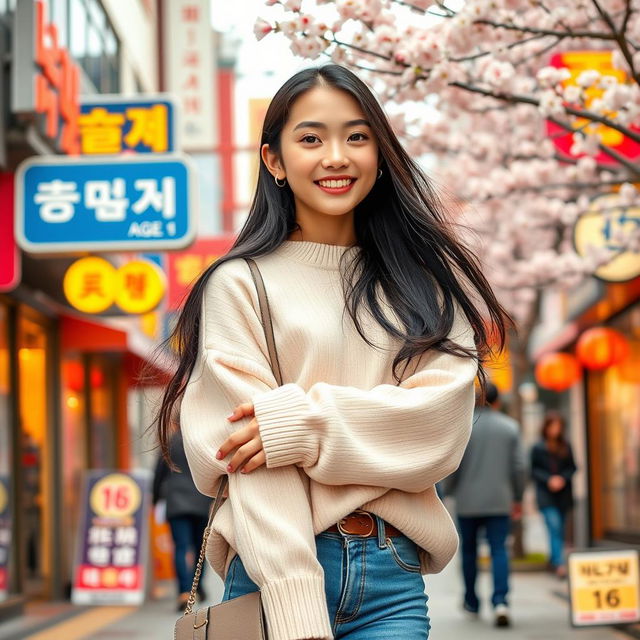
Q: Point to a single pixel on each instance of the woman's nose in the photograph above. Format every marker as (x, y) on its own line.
(336, 157)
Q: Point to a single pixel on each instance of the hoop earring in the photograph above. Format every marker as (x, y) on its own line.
(379, 174)
(284, 181)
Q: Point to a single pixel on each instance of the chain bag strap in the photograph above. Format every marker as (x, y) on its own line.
(267, 324)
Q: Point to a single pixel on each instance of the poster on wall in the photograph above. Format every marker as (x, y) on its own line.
(112, 539)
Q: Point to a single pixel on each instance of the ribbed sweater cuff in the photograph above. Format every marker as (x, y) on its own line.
(286, 437)
(296, 608)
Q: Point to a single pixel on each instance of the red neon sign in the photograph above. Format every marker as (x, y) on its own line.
(57, 86)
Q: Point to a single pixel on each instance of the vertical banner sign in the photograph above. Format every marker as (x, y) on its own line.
(45, 79)
(132, 203)
(190, 70)
(5, 536)
(112, 124)
(9, 256)
(112, 542)
(604, 587)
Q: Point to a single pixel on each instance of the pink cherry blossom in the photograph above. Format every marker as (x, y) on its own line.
(261, 28)
(493, 93)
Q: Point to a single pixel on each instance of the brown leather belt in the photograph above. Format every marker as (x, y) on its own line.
(363, 524)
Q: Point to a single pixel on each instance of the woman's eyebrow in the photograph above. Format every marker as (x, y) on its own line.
(321, 125)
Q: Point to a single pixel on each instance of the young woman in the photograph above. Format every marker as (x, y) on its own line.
(332, 511)
(552, 467)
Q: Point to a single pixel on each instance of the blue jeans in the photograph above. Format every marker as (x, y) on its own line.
(497, 528)
(373, 587)
(554, 518)
(187, 532)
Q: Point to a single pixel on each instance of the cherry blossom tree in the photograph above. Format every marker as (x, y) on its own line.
(528, 110)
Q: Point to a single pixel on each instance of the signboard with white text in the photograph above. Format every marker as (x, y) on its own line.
(135, 203)
(112, 544)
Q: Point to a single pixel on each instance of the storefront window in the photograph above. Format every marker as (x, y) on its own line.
(103, 420)
(5, 460)
(74, 447)
(92, 42)
(37, 489)
(615, 413)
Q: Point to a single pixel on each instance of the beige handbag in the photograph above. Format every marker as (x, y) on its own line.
(241, 618)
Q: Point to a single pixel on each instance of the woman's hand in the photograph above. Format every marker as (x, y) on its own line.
(249, 454)
(556, 483)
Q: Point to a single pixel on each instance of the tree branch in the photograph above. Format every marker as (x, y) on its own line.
(515, 99)
(619, 36)
(596, 35)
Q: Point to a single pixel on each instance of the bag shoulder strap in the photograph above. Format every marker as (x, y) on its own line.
(267, 324)
(265, 314)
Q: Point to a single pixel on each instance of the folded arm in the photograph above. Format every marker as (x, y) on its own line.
(405, 437)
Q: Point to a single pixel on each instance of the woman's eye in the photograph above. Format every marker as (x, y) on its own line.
(358, 137)
(310, 139)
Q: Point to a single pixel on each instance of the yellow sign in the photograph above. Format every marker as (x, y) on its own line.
(92, 285)
(140, 286)
(89, 284)
(604, 587)
(602, 226)
(115, 496)
(120, 128)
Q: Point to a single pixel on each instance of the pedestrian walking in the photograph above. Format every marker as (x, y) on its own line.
(552, 468)
(186, 510)
(332, 512)
(488, 488)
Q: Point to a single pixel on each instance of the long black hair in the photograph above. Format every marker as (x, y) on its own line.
(409, 252)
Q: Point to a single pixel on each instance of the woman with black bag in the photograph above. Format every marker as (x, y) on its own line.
(332, 512)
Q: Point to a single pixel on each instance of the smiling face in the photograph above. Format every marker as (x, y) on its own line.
(328, 155)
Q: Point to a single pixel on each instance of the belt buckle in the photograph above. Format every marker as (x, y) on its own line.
(359, 512)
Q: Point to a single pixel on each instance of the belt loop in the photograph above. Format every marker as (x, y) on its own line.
(382, 539)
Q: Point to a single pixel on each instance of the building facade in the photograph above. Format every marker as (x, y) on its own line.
(69, 399)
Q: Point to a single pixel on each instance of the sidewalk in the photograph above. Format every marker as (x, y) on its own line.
(539, 613)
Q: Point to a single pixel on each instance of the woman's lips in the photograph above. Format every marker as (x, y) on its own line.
(336, 191)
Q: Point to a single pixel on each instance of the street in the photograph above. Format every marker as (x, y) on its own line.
(539, 613)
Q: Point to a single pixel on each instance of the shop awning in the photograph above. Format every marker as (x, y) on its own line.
(101, 336)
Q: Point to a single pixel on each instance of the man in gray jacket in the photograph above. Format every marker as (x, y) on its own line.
(488, 489)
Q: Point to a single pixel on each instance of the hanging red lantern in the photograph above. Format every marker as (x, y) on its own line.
(601, 347)
(557, 371)
(73, 375)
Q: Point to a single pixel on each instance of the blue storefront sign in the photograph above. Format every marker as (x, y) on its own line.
(113, 124)
(67, 205)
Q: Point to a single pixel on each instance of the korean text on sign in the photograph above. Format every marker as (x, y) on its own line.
(119, 126)
(604, 587)
(112, 536)
(119, 205)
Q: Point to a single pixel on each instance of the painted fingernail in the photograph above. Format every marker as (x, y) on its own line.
(243, 470)
(229, 468)
(219, 455)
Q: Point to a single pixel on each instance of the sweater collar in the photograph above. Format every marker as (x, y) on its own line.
(326, 256)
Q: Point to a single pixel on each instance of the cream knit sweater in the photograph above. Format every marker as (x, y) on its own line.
(338, 435)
